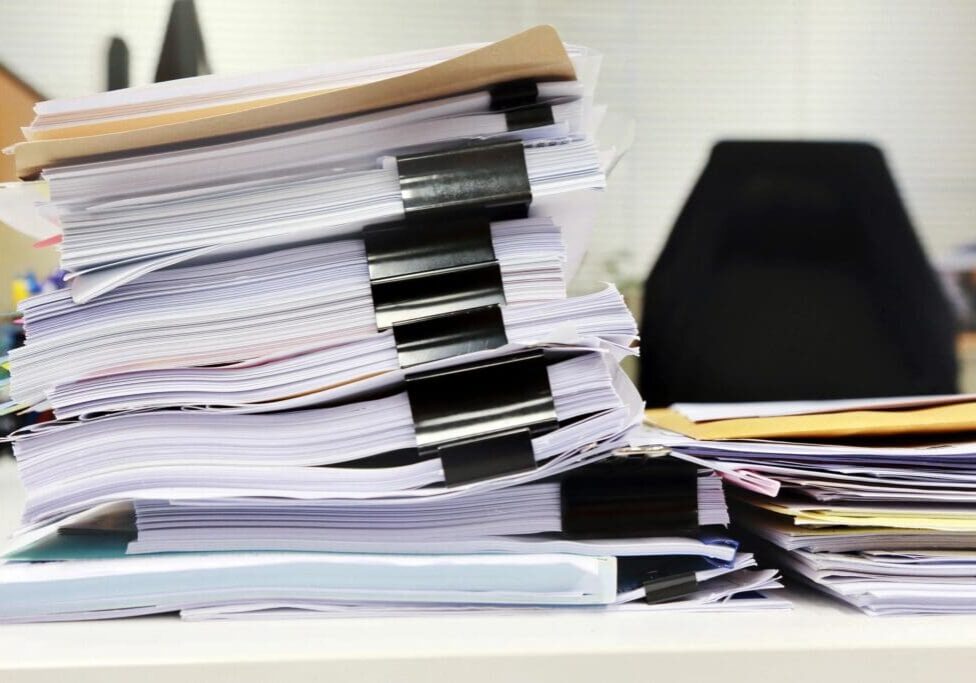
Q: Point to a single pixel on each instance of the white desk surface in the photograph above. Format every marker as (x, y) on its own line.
(818, 641)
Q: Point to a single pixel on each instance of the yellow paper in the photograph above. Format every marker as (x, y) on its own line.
(947, 419)
(934, 523)
(784, 524)
(536, 54)
(965, 520)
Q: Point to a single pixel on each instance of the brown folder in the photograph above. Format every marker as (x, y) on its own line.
(943, 419)
(537, 53)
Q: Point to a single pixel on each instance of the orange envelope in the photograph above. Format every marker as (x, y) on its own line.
(943, 419)
(537, 53)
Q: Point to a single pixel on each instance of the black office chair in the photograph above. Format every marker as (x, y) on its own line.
(793, 272)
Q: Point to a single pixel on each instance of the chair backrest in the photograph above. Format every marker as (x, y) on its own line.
(793, 272)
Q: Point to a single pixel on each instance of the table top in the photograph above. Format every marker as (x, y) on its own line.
(819, 640)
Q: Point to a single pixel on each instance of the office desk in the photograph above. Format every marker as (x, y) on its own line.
(818, 641)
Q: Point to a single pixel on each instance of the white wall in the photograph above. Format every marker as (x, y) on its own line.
(900, 73)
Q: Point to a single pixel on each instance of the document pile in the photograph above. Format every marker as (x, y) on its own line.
(317, 356)
(873, 501)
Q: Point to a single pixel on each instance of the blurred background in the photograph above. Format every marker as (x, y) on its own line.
(897, 73)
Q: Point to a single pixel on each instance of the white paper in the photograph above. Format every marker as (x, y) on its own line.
(342, 371)
(474, 523)
(228, 311)
(18, 209)
(197, 455)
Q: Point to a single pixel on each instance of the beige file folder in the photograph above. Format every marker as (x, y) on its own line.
(537, 53)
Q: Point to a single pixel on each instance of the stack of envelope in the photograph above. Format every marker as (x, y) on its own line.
(872, 501)
(317, 355)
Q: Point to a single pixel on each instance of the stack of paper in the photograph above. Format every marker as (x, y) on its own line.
(311, 452)
(873, 500)
(317, 356)
(498, 548)
(333, 372)
(241, 308)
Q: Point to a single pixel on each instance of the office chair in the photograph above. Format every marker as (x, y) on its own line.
(793, 272)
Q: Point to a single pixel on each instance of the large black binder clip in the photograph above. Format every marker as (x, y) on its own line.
(434, 276)
(480, 418)
(448, 290)
(431, 267)
(438, 285)
(631, 497)
(397, 249)
(490, 179)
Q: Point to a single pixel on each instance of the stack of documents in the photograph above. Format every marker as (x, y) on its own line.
(271, 303)
(533, 545)
(317, 356)
(873, 501)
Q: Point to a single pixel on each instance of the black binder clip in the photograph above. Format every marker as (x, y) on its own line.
(431, 267)
(437, 284)
(529, 117)
(449, 335)
(511, 94)
(480, 418)
(519, 100)
(631, 497)
(669, 588)
(491, 179)
(434, 276)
